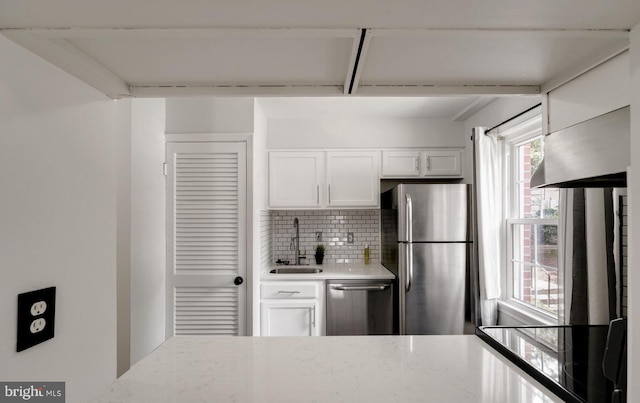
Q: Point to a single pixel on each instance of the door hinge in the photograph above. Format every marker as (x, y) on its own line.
(164, 168)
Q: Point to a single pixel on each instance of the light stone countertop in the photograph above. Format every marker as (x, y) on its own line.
(350, 369)
(339, 271)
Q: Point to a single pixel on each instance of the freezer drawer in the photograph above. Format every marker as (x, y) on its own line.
(357, 307)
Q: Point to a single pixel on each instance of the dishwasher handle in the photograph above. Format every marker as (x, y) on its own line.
(372, 287)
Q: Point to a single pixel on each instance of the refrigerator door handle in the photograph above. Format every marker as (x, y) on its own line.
(408, 216)
(409, 227)
(410, 265)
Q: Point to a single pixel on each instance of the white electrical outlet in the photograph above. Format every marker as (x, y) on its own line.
(349, 237)
(37, 325)
(38, 308)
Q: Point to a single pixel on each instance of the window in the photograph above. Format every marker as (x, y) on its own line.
(532, 226)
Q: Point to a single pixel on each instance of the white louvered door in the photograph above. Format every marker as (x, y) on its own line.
(206, 238)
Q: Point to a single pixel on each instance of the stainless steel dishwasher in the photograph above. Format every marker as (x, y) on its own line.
(359, 307)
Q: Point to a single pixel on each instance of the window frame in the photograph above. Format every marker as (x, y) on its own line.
(518, 133)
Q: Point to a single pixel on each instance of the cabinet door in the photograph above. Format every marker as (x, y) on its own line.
(353, 179)
(295, 178)
(289, 318)
(442, 163)
(400, 164)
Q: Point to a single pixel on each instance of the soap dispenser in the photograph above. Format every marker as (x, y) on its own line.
(366, 254)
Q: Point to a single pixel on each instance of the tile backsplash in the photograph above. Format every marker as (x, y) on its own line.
(334, 224)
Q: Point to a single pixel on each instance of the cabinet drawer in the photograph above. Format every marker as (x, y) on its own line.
(289, 290)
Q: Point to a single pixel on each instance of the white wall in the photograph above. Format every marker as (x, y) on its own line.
(633, 183)
(260, 158)
(148, 260)
(260, 179)
(209, 115)
(374, 133)
(57, 221)
(123, 236)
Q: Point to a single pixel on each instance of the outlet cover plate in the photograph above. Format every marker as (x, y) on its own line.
(318, 236)
(26, 337)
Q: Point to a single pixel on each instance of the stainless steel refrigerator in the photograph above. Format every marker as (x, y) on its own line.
(427, 244)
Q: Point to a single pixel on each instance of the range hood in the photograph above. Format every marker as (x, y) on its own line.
(594, 153)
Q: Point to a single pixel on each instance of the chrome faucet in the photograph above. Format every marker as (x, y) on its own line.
(295, 241)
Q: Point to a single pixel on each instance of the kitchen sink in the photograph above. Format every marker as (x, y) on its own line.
(297, 270)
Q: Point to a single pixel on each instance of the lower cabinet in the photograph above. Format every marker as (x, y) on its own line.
(289, 318)
(292, 308)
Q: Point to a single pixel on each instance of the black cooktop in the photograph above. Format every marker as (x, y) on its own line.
(565, 359)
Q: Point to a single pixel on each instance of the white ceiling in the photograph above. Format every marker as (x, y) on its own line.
(494, 14)
(320, 48)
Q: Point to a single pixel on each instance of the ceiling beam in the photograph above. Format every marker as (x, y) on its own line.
(365, 41)
(186, 33)
(72, 60)
(501, 33)
(353, 59)
(447, 89)
(151, 91)
(133, 32)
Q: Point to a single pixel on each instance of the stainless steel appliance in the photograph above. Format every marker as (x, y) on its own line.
(427, 244)
(594, 153)
(359, 307)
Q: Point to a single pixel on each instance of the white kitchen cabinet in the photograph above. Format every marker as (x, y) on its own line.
(289, 318)
(323, 179)
(401, 164)
(442, 163)
(422, 163)
(296, 179)
(353, 179)
(292, 308)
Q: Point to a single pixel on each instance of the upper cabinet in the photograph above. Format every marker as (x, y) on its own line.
(422, 163)
(296, 178)
(353, 179)
(319, 179)
(400, 164)
(442, 162)
(350, 179)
